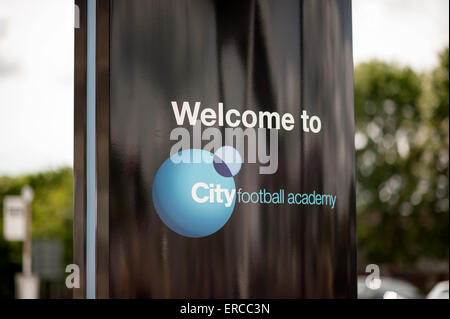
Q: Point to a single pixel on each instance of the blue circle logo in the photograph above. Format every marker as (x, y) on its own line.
(194, 191)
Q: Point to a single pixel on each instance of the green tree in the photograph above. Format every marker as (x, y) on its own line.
(52, 219)
(401, 121)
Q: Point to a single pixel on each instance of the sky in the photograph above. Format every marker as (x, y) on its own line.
(409, 32)
(36, 85)
(36, 68)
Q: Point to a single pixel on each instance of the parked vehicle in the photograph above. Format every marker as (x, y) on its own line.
(388, 288)
(439, 291)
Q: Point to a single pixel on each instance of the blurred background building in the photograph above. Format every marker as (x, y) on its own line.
(402, 138)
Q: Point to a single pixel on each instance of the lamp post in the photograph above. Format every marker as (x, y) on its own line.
(27, 196)
(27, 284)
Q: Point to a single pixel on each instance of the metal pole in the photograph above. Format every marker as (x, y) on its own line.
(27, 196)
(26, 256)
(27, 284)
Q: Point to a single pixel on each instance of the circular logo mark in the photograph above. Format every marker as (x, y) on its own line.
(227, 161)
(196, 197)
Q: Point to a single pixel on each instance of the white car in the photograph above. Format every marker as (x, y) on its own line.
(388, 288)
(439, 291)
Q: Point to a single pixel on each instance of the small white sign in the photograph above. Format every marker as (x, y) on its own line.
(27, 286)
(14, 218)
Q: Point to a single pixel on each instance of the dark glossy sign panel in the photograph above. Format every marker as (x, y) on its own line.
(231, 149)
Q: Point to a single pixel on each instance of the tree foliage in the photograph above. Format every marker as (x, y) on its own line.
(52, 218)
(402, 142)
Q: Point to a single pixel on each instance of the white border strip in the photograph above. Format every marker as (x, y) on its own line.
(91, 200)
